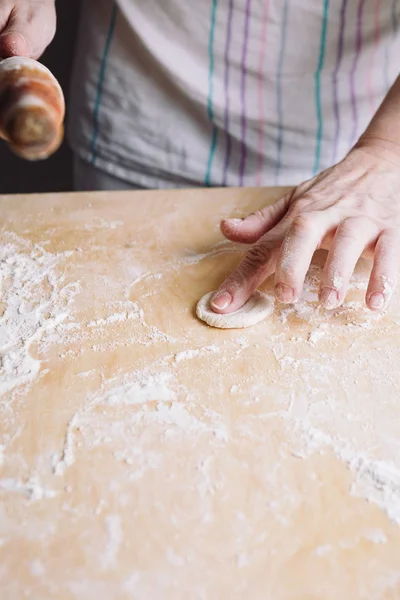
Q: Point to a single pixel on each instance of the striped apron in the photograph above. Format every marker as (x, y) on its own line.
(171, 93)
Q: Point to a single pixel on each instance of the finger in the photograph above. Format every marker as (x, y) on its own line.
(301, 241)
(351, 237)
(250, 229)
(29, 30)
(237, 288)
(258, 264)
(384, 272)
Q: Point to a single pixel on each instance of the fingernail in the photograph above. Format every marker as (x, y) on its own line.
(235, 221)
(377, 300)
(221, 300)
(284, 293)
(329, 298)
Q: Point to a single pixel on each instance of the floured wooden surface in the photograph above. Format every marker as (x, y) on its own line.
(145, 455)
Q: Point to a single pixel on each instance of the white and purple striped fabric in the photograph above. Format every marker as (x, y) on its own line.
(228, 92)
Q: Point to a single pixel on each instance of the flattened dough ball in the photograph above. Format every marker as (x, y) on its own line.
(257, 308)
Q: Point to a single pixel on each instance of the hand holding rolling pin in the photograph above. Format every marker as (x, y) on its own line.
(32, 104)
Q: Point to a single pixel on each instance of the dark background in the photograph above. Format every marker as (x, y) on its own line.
(54, 174)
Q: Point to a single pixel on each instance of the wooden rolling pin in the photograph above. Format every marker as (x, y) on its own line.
(32, 108)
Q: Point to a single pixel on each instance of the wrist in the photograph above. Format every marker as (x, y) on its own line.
(379, 147)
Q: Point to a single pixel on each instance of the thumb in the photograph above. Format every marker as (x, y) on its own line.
(13, 43)
(29, 30)
(250, 229)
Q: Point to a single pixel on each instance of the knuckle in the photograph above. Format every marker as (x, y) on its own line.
(388, 250)
(391, 238)
(298, 207)
(302, 224)
(348, 229)
(351, 228)
(257, 257)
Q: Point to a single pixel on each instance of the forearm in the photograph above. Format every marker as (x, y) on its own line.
(384, 130)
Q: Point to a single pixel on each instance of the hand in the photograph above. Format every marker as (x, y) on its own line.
(27, 27)
(351, 209)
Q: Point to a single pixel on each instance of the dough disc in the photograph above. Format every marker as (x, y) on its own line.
(257, 308)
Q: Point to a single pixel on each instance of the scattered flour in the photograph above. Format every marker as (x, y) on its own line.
(326, 406)
(376, 536)
(322, 550)
(116, 318)
(37, 569)
(378, 482)
(32, 489)
(34, 301)
(115, 538)
(67, 458)
(189, 354)
(316, 335)
(98, 223)
(337, 282)
(388, 288)
(375, 481)
(147, 388)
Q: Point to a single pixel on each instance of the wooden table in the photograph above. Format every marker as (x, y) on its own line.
(145, 455)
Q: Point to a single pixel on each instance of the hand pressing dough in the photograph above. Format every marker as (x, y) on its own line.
(258, 307)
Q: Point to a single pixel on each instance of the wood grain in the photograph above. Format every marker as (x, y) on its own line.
(152, 457)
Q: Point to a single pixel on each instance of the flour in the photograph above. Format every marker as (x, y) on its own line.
(67, 458)
(32, 489)
(37, 569)
(136, 389)
(316, 335)
(376, 536)
(308, 310)
(323, 550)
(378, 482)
(115, 538)
(337, 282)
(388, 288)
(327, 407)
(154, 397)
(147, 388)
(178, 416)
(190, 354)
(154, 336)
(125, 312)
(156, 428)
(98, 224)
(35, 302)
(116, 318)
